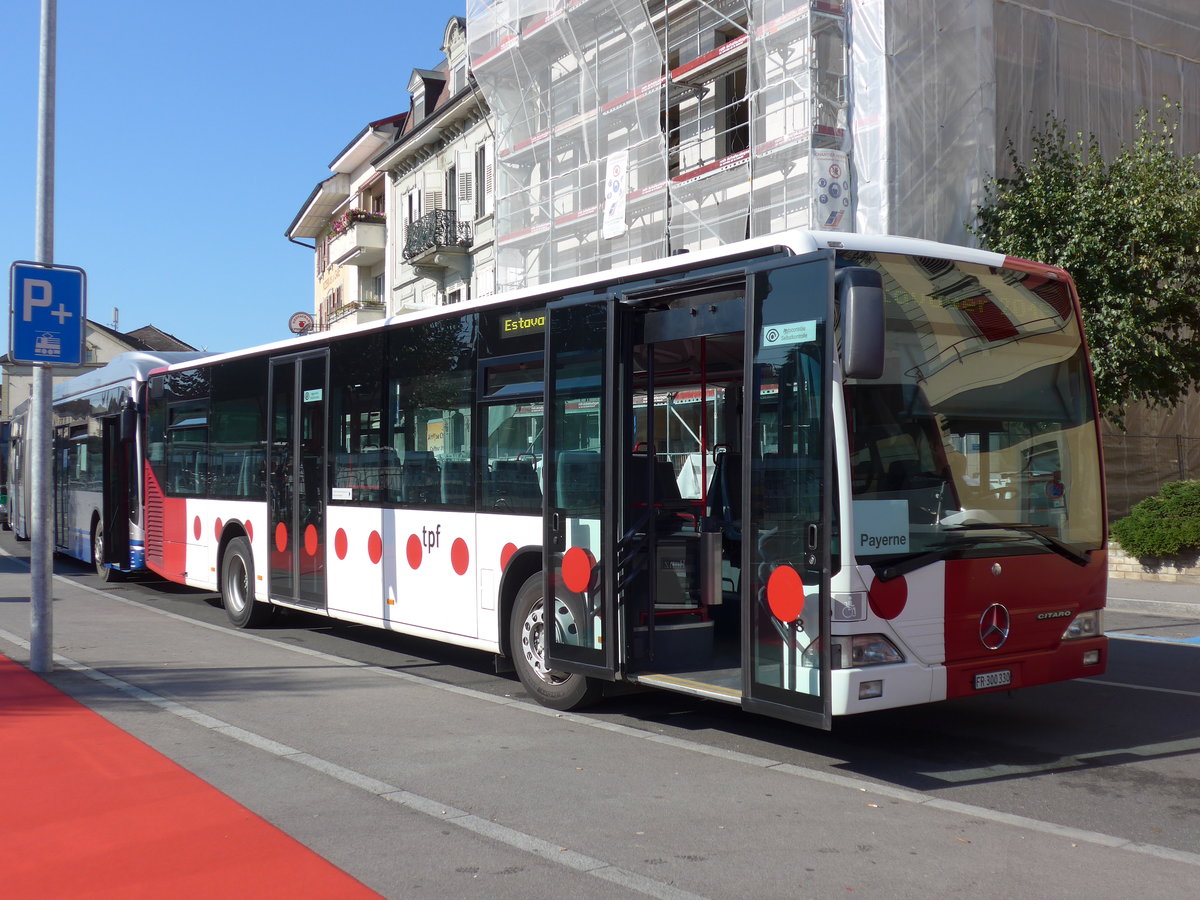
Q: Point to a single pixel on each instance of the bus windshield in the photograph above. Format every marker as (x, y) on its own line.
(981, 435)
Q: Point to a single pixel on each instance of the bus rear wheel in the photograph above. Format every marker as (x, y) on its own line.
(527, 643)
(106, 572)
(237, 586)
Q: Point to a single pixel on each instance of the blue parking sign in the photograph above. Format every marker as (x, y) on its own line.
(47, 314)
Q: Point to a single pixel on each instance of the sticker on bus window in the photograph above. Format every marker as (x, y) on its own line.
(313, 395)
(789, 333)
(880, 526)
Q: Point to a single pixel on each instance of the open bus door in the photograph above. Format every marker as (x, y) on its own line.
(729, 605)
(110, 544)
(789, 543)
(579, 479)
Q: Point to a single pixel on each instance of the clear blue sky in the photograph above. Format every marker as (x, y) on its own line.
(188, 136)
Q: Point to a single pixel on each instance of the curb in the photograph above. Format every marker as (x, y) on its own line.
(1154, 607)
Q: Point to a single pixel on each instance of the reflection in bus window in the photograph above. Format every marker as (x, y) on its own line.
(972, 425)
(513, 467)
(429, 400)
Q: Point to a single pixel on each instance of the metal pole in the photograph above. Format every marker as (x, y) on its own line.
(41, 653)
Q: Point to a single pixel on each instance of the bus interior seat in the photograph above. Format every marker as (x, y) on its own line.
(725, 500)
(579, 482)
(898, 474)
(513, 484)
(672, 509)
(420, 477)
(456, 482)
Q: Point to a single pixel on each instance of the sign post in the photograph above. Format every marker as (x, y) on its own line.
(37, 293)
(46, 326)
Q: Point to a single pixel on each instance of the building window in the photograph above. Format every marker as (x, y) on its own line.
(483, 180)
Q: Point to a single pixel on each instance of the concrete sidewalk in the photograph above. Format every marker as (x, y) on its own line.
(419, 789)
(1153, 610)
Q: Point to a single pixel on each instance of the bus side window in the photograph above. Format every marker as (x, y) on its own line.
(512, 466)
(187, 449)
(428, 402)
(360, 465)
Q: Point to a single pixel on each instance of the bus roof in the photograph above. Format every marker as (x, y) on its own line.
(132, 366)
(797, 241)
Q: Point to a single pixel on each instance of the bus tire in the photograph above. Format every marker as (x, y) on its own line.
(106, 572)
(526, 635)
(237, 586)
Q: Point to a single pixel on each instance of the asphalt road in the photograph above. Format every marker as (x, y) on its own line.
(1090, 784)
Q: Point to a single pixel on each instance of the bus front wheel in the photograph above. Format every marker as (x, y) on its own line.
(237, 586)
(106, 572)
(527, 643)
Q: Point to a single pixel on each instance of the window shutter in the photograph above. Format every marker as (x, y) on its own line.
(435, 190)
(488, 178)
(464, 165)
(485, 281)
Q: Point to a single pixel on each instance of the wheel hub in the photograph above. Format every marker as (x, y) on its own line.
(533, 644)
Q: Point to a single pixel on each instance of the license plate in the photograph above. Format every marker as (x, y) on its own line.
(993, 679)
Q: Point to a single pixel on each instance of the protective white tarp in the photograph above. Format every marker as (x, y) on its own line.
(575, 87)
(922, 114)
(1094, 64)
(626, 129)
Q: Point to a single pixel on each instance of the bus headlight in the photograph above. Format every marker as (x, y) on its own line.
(1086, 624)
(855, 651)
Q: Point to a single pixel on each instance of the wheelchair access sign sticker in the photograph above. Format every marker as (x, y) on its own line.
(47, 314)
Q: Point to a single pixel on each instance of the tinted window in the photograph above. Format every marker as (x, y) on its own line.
(237, 429)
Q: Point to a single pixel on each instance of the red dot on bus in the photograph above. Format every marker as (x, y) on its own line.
(217, 526)
(196, 527)
(460, 556)
(785, 594)
(413, 549)
(888, 598)
(506, 554)
(280, 537)
(375, 547)
(340, 544)
(249, 531)
(310, 540)
(577, 566)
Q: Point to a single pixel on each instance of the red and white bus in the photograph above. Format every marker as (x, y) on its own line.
(813, 475)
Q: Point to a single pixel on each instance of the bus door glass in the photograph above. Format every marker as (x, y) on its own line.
(296, 502)
(65, 453)
(576, 472)
(118, 471)
(788, 532)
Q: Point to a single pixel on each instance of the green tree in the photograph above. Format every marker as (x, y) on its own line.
(1128, 231)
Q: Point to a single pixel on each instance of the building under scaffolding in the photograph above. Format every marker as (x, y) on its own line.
(630, 129)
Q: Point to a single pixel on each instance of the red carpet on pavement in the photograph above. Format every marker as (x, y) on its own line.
(90, 811)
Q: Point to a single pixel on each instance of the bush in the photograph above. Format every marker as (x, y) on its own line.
(1162, 525)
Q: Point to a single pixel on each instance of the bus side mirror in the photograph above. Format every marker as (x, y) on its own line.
(128, 423)
(860, 306)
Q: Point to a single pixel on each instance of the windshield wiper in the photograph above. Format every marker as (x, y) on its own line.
(911, 563)
(1059, 546)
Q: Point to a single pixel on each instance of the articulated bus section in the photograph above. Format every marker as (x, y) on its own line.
(812, 476)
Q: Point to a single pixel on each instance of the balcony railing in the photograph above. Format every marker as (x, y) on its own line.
(437, 230)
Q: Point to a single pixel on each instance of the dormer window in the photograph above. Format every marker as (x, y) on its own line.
(425, 85)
